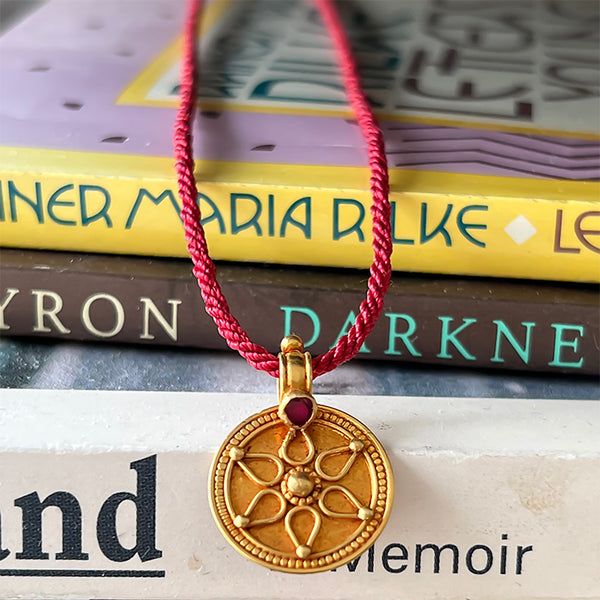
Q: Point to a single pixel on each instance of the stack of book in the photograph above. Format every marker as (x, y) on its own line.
(494, 177)
(490, 116)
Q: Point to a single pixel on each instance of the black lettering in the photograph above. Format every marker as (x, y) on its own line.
(488, 563)
(371, 559)
(145, 503)
(503, 556)
(32, 526)
(4, 552)
(558, 234)
(473, 31)
(583, 233)
(466, 91)
(521, 551)
(386, 557)
(437, 550)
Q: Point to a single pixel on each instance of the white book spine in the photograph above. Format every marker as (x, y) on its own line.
(104, 494)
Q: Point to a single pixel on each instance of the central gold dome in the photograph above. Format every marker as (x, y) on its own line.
(300, 484)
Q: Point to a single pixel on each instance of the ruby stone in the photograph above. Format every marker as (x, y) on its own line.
(299, 411)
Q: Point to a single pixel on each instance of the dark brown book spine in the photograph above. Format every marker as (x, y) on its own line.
(532, 326)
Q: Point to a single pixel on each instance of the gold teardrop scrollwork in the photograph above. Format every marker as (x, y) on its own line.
(243, 521)
(303, 550)
(289, 438)
(363, 512)
(355, 446)
(238, 454)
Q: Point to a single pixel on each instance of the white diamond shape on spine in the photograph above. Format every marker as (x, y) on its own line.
(520, 230)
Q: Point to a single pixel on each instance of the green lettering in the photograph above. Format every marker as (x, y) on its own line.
(449, 337)
(311, 314)
(522, 351)
(346, 327)
(403, 336)
(560, 343)
(275, 89)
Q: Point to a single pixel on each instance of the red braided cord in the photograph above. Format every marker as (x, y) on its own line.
(204, 268)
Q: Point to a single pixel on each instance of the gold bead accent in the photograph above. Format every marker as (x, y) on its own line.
(365, 513)
(303, 551)
(241, 521)
(291, 343)
(356, 445)
(236, 453)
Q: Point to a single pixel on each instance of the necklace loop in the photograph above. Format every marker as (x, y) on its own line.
(204, 269)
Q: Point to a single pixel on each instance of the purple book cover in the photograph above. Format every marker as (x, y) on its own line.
(479, 99)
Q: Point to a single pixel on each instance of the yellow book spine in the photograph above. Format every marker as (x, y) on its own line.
(499, 233)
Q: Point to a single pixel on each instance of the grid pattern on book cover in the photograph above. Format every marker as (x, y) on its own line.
(477, 139)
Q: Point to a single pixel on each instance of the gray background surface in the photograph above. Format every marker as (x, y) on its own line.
(67, 365)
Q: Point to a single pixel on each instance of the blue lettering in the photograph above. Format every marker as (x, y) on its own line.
(440, 228)
(288, 219)
(355, 227)
(252, 221)
(156, 200)
(272, 215)
(214, 215)
(53, 201)
(37, 206)
(464, 227)
(396, 240)
(102, 213)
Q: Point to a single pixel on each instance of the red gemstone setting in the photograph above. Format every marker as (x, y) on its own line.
(299, 411)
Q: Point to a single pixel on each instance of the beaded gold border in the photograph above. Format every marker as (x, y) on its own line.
(368, 532)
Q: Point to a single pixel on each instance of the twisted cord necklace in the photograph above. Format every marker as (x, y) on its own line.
(299, 487)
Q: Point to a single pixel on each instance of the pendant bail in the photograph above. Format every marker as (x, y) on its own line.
(297, 407)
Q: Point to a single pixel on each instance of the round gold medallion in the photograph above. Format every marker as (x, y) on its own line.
(301, 499)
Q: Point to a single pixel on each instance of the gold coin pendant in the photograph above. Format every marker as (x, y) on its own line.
(301, 500)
